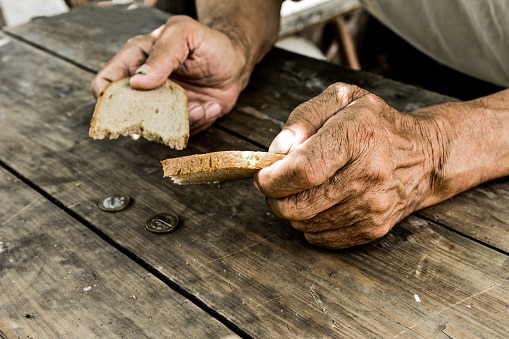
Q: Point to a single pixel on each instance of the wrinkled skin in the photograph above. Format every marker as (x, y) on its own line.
(355, 167)
(204, 61)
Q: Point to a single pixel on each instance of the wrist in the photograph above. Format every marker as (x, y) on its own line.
(467, 144)
(251, 26)
(435, 137)
(239, 42)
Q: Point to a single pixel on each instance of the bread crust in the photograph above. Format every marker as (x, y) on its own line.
(122, 110)
(217, 166)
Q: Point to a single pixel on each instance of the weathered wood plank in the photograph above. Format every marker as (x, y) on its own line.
(58, 279)
(230, 252)
(280, 83)
(101, 31)
(482, 213)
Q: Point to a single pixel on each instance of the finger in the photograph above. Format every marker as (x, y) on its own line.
(335, 239)
(98, 86)
(196, 113)
(297, 171)
(308, 206)
(202, 117)
(345, 237)
(170, 50)
(123, 64)
(209, 111)
(341, 139)
(342, 226)
(308, 165)
(335, 217)
(310, 116)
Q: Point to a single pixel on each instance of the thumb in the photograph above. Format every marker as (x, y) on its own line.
(315, 141)
(147, 78)
(169, 51)
(305, 120)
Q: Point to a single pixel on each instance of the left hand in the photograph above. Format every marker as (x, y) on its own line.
(355, 167)
(207, 63)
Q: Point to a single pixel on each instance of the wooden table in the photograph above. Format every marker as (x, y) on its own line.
(68, 269)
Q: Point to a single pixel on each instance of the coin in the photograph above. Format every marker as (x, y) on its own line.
(162, 223)
(114, 202)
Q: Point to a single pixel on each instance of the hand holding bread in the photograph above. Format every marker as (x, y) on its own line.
(161, 115)
(217, 166)
(206, 62)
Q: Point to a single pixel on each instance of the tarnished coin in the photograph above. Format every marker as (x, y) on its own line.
(114, 202)
(162, 223)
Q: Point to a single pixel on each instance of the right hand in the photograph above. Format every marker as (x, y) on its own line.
(355, 167)
(209, 65)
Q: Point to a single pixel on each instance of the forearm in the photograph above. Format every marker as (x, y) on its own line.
(252, 25)
(470, 143)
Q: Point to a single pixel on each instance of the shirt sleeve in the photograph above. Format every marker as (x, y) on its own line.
(471, 36)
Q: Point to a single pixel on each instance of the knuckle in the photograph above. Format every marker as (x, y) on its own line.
(301, 226)
(292, 208)
(179, 18)
(357, 234)
(136, 40)
(378, 203)
(375, 233)
(331, 240)
(311, 170)
(373, 227)
(342, 90)
(372, 99)
(315, 239)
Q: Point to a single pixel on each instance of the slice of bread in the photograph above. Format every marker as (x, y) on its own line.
(159, 115)
(217, 166)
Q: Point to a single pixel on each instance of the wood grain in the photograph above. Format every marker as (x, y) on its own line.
(281, 82)
(58, 279)
(481, 213)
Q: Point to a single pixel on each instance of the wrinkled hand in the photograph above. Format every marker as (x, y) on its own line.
(355, 167)
(206, 62)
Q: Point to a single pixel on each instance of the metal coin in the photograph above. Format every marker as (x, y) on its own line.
(162, 223)
(114, 202)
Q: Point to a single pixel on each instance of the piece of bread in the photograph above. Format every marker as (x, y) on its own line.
(217, 166)
(159, 115)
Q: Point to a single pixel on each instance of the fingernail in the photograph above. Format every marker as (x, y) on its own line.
(283, 142)
(144, 69)
(213, 111)
(196, 113)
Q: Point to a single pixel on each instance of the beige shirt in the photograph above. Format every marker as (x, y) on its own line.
(471, 36)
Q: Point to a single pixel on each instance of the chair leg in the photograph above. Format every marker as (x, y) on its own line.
(347, 48)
